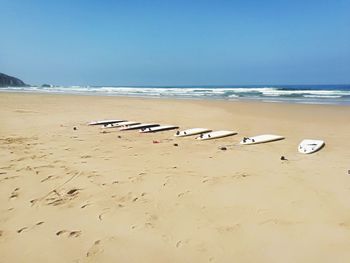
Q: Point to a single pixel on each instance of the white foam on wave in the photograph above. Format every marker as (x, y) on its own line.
(317, 102)
(323, 96)
(279, 92)
(154, 91)
(230, 93)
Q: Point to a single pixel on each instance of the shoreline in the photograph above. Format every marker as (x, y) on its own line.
(117, 196)
(334, 95)
(194, 100)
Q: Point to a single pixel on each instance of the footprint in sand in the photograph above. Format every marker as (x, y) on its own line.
(21, 230)
(61, 232)
(46, 179)
(74, 234)
(58, 198)
(27, 228)
(205, 180)
(33, 202)
(83, 206)
(9, 177)
(95, 249)
(151, 220)
(181, 243)
(149, 225)
(14, 193)
(94, 174)
(136, 179)
(106, 210)
(126, 198)
(44, 166)
(167, 180)
(240, 175)
(183, 193)
(19, 159)
(68, 233)
(73, 191)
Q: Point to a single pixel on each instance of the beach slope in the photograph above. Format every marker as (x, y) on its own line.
(80, 195)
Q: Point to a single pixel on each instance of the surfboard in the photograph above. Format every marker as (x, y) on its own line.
(190, 132)
(215, 135)
(119, 124)
(158, 128)
(310, 146)
(139, 126)
(104, 122)
(261, 139)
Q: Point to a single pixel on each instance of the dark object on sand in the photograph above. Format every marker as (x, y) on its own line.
(75, 128)
(119, 136)
(72, 191)
(156, 141)
(283, 158)
(223, 148)
(175, 144)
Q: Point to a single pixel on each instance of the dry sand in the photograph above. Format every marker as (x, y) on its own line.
(84, 196)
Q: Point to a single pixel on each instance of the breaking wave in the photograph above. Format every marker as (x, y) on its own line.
(330, 94)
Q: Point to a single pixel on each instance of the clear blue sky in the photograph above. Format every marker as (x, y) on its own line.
(77, 42)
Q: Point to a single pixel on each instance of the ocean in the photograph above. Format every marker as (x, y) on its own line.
(307, 94)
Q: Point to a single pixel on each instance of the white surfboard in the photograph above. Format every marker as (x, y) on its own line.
(158, 128)
(261, 139)
(215, 135)
(104, 122)
(310, 146)
(139, 126)
(190, 132)
(119, 124)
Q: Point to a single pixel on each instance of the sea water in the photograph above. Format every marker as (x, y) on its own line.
(309, 94)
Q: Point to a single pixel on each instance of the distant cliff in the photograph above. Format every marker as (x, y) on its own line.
(8, 81)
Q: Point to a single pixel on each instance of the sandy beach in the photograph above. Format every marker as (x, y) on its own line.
(84, 196)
